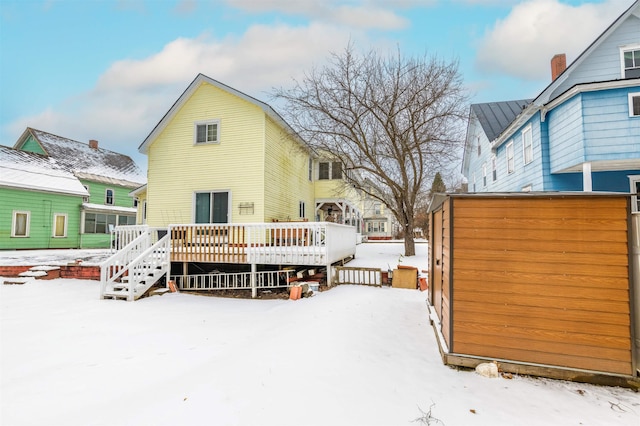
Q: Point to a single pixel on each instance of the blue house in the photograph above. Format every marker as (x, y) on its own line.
(582, 133)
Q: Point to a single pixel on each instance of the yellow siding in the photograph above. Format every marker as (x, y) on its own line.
(142, 197)
(177, 168)
(286, 176)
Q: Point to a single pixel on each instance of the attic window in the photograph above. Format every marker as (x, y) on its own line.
(207, 132)
(630, 61)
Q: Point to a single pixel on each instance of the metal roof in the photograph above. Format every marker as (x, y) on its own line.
(495, 117)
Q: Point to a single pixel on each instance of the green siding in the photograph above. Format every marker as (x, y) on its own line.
(32, 145)
(97, 193)
(42, 207)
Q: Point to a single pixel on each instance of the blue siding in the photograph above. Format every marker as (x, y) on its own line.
(610, 134)
(565, 135)
(617, 181)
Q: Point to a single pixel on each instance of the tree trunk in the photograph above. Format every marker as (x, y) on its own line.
(409, 242)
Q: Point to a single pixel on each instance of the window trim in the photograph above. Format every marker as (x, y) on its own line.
(13, 223)
(623, 50)
(635, 205)
(206, 123)
(302, 209)
(55, 221)
(511, 168)
(527, 130)
(106, 197)
(631, 96)
(494, 167)
(484, 175)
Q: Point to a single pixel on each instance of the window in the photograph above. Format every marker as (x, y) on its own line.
(630, 61)
(634, 104)
(323, 171)
(20, 224)
(99, 223)
(310, 169)
(144, 211)
(376, 226)
(212, 207)
(484, 174)
(135, 202)
(336, 170)
(207, 132)
(527, 145)
(302, 210)
(479, 147)
(474, 183)
(377, 208)
(59, 225)
(108, 197)
(494, 166)
(511, 163)
(126, 220)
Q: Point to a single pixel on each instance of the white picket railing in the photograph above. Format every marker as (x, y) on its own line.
(121, 236)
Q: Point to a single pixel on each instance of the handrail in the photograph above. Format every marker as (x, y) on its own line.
(149, 253)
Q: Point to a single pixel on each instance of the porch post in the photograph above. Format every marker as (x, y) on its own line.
(587, 183)
(254, 290)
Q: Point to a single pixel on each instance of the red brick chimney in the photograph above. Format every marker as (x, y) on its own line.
(558, 65)
(93, 144)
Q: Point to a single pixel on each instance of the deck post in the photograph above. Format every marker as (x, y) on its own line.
(254, 290)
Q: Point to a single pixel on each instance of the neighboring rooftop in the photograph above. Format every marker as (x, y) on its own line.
(27, 170)
(86, 161)
(494, 117)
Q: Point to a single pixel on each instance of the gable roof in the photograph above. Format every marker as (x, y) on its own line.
(494, 117)
(35, 172)
(95, 164)
(190, 90)
(545, 101)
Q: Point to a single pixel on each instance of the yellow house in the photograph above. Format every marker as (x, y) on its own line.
(231, 188)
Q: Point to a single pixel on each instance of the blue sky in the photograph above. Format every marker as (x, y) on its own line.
(109, 70)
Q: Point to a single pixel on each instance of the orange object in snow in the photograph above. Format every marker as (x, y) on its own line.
(296, 293)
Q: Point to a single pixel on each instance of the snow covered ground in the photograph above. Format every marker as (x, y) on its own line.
(353, 355)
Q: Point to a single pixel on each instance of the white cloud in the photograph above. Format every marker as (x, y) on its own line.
(133, 94)
(522, 44)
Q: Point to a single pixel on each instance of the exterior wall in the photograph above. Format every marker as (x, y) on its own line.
(42, 207)
(177, 168)
(286, 178)
(440, 267)
(593, 127)
(542, 280)
(603, 64)
(97, 193)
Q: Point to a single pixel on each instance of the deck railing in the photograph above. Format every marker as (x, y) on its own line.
(284, 243)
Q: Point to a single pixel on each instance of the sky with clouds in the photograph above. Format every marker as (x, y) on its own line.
(109, 70)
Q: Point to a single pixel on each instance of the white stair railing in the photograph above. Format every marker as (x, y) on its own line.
(119, 266)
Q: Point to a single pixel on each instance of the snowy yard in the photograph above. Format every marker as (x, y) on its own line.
(349, 356)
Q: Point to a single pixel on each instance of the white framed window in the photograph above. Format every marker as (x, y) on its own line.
(20, 224)
(109, 197)
(484, 174)
(473, 186)
(302, 209)
(328, 170)
(494, 168)
(479, 147)
(511, 162)
(212, 207)
(60, 225)
(634, 104)
(323, 171)
(310, 169)
(635, 190)
(336, 170)
(206, 132)
(144, 211)
(527, 145)
(630, 61)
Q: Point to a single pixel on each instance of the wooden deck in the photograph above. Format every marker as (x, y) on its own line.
(296, 243)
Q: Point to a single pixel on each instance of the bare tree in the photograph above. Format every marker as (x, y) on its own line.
(391, 121)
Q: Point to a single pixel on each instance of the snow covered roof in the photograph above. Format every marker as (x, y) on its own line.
(35, 172)
(113, 209)
(86, 162)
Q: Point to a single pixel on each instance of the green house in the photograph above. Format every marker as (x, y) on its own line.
(87, 199)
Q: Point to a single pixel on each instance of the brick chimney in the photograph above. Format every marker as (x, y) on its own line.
(93, 144)
(558, 65)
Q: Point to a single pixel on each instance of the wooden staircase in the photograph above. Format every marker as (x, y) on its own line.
(132, 270)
